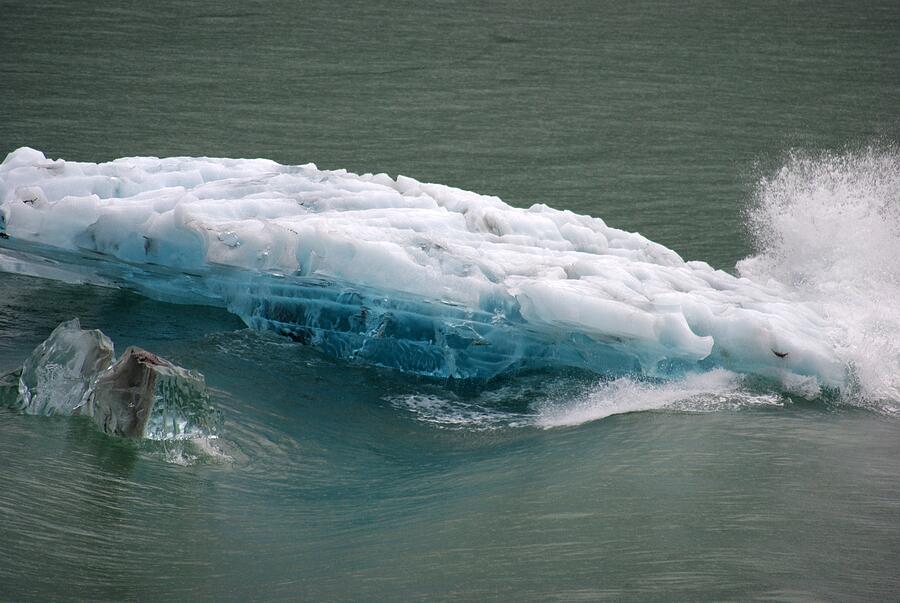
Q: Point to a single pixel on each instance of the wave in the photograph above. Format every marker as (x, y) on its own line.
(715, 390)
(443, 282)
(562, 402)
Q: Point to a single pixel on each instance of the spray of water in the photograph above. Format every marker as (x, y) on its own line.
(828, 228)
(566, 404)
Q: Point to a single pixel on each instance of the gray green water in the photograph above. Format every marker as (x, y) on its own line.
(657, 117)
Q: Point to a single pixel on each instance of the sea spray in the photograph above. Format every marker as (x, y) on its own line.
(827, 227)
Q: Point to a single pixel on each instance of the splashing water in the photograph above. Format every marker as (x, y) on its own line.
(828, 228)
(827, 233)
(704, 392)
(563, 403)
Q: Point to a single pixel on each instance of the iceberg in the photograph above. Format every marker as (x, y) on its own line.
(393, 272)
(140, 395)
(57, 378)
(145, 396)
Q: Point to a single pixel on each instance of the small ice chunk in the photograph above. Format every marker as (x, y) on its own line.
(145, 396)
(57, 377)
(141, 395)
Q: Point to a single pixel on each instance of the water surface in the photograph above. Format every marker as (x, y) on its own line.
(347, 483)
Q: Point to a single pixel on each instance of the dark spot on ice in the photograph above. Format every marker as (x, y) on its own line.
(780, 354)
(3, 235)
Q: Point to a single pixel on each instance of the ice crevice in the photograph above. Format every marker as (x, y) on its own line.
(398, 273)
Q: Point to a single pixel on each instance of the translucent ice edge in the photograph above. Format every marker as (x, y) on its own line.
(420, 277)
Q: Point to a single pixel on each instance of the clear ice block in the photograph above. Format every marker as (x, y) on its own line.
(57, 378)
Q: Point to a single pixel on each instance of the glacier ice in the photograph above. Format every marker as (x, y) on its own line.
(145, 396)
(140, 395)
(394, 272)
(57, 378)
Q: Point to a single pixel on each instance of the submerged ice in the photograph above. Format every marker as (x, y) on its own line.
(394, 272)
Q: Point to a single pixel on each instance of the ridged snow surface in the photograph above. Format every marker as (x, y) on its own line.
(421, 277)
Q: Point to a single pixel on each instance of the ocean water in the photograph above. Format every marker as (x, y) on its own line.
(767, 131)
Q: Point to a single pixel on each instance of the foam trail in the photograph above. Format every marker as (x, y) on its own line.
(564, 402)
(715, 390)
(827, 228)
(448, 412)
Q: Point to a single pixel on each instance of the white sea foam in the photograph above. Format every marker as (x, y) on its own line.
(566, 403)
(703, 392)
(449, 412)
(828, 230)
